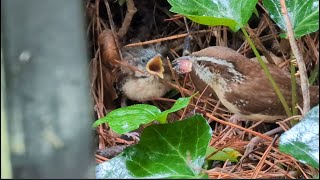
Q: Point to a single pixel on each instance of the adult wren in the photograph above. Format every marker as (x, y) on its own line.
(144, 78)
(241, 84)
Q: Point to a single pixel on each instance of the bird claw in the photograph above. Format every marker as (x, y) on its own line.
(235, 119)
(133, 135)
(250, 148)
(254, 141)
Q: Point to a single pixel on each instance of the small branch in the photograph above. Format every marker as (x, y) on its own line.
(166, 38)
(263, 136)
(300, 62)
(113, 27)
(131, 10)
(187, 40)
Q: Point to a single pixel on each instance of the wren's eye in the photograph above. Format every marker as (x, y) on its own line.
(144, 61)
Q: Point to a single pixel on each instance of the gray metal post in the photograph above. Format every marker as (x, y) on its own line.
(49, 110)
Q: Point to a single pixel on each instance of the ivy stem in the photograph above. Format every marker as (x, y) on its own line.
(314, 74)
(267, 72)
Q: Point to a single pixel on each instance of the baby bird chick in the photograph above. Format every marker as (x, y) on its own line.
(143, 78)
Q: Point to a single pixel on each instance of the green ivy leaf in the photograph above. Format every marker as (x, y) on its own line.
(302, 140)
(303, 14)
(179, 104)
(223, 155)
(113, 168)
(173, 150)
(232, 13)
(126, 119)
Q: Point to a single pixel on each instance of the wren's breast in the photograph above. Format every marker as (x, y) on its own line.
(144, 89)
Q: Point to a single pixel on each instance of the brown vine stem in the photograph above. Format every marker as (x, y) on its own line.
(113, 27)
(131, 10)
(300, 61)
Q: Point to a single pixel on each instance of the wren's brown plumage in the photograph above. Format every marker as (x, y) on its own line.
(145, 80)
(240, 83)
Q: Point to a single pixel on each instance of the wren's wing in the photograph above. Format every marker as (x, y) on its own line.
(258, 91)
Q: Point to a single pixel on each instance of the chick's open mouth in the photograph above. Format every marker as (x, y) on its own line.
(155, 66)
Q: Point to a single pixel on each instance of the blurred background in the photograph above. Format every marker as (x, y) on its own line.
(46, 109)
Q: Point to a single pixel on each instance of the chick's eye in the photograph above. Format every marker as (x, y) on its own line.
(144, 60)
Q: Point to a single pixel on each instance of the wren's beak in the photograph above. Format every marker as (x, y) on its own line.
(155, 66)
(182, 64)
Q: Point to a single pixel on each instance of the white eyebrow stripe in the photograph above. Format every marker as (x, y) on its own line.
(238, 77)
(216, 61)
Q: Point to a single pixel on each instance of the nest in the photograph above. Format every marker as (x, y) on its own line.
(112, 25)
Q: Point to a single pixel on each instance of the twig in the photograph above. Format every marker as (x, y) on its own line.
(113, 27)
(175, 77)
(166, 38)
(289, 118)
(239, 127)
(263, 159)
(131, 10)
(297, 54)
